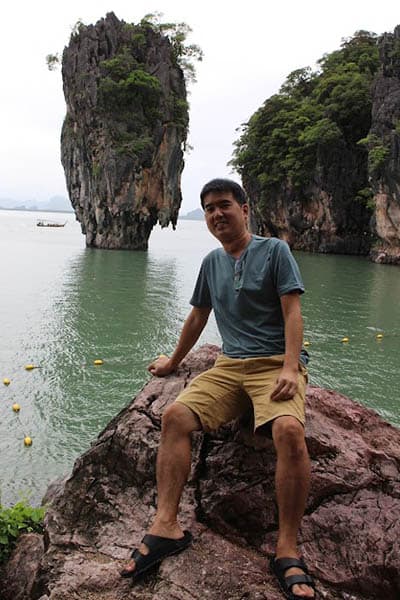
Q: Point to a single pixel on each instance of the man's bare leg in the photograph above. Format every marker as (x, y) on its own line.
(173, 468)
(292, 480)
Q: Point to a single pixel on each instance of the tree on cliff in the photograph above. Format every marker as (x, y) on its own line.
(314, 111)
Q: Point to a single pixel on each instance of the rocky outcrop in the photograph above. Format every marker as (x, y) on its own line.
(124, 131)
(385, 132)
(349, 535)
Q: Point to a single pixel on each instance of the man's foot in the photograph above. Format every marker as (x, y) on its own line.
(153, 549)
(293, 577)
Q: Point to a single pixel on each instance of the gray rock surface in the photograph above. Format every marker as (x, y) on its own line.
(349, 535)
(386, 129)
(124, 131)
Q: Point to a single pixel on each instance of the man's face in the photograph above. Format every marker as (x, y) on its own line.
(226, 219)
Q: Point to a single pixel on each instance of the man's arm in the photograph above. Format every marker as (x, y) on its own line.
(192, 328)
(286, 385)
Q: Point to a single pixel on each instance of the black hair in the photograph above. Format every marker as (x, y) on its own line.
(224, 185)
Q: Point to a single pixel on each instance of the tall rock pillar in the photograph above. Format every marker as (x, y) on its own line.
(124, 132)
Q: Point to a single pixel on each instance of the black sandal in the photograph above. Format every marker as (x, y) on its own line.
(279, 566)
(159, 548)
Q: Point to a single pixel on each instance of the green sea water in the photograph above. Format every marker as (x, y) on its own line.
(62, 306)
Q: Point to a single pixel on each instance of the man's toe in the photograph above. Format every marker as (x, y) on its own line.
(128, 569)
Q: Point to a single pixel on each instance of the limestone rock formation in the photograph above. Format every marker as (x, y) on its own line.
(124, 132)
(328, 221)
(349, 536)
(348, 201)
(386, 138)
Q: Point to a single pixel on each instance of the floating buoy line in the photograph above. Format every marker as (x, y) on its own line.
(16, 408)
(346, 339)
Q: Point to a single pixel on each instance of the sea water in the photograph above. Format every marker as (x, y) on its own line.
(62, 306)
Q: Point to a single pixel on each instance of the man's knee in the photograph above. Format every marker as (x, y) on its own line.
(180, 419)
(288, 436)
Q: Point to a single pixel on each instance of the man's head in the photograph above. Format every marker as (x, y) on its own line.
(226, 210)
(223, 185)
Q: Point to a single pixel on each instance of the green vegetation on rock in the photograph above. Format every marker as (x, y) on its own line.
(315, 113)
(377, 154)
(131, 94)
(20, 518)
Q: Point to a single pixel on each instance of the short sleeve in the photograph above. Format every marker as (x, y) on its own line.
(201, 295)
(287, 277)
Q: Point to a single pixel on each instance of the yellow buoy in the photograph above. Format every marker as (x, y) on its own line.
(98, 361)
(345, 339)
(27, 441)
(306, 343)
(379, 336)
(16, 407)
(162, 356)
(29, 367)
(6, 381)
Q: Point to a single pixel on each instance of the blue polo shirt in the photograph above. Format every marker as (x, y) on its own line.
(245, 296)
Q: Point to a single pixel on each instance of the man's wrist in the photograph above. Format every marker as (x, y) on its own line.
(292, 365)
(174, 362)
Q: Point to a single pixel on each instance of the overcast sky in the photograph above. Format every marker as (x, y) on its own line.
(249, 48)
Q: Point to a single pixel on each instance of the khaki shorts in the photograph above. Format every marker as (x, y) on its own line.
(233, 385)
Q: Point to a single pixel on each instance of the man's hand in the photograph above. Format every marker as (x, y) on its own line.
(286, 385)
(161, 367)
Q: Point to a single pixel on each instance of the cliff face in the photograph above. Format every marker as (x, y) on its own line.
(349, 536)
(125, 127)
(325, 218)
(386, 131)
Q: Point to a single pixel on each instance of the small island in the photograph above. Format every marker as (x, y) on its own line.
(320, 160)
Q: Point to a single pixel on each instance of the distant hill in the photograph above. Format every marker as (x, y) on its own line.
(194, 215)
(54, 204)
(57, 203)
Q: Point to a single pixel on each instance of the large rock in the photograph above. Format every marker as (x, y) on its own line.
(349, 535)
(124, 131)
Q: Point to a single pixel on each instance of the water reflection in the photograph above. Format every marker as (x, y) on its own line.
(118, 307)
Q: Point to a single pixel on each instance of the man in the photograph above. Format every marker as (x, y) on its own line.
(253, 285)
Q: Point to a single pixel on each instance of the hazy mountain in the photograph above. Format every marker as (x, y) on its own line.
(194, 215)
(55, 203)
